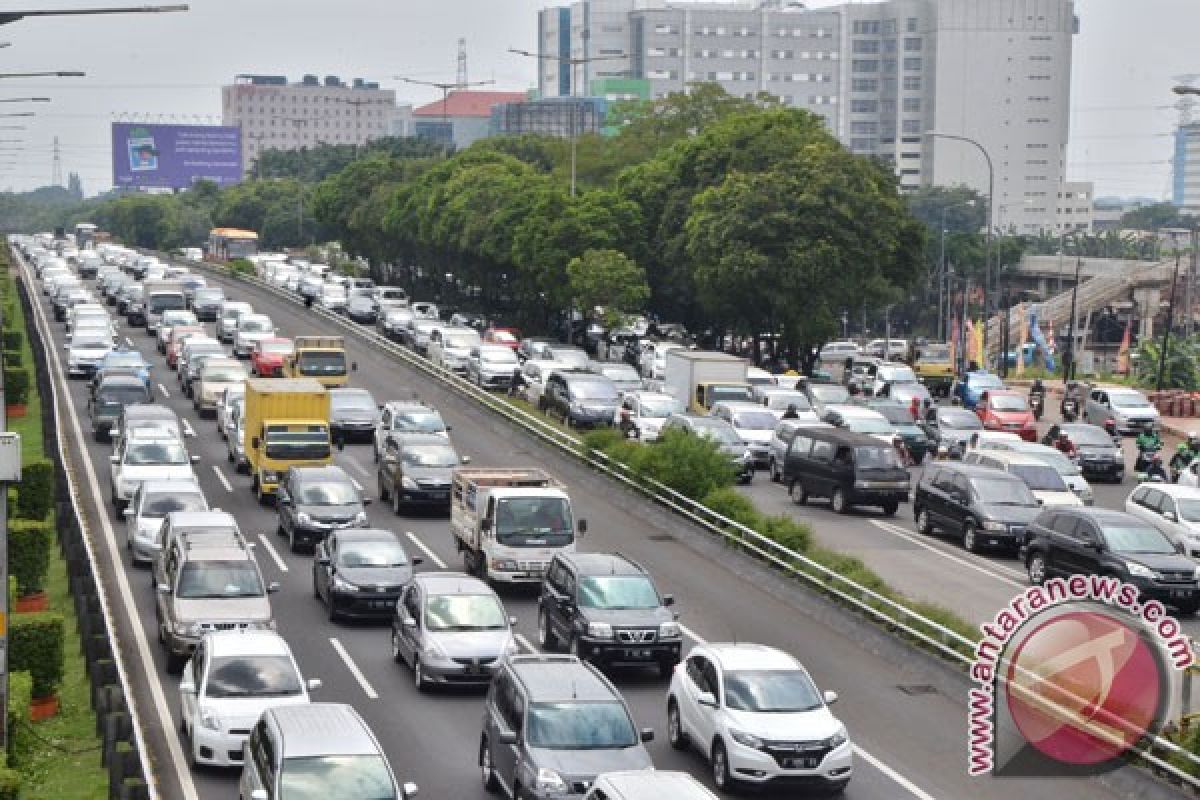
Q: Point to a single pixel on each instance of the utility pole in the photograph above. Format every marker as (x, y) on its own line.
(1166, 340)
(357, 125)
(462, 63)
(1069, 363)
(56, 168)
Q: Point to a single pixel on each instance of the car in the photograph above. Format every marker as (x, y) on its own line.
(450, 347)
(647, 784)
(206, 303)
(110, 398)
(1174, 510)
(417, 470)
(605, 609)
(535, 347)
(504, 337)
(778, 399)
(251, 329)
(401, 417)
(416, 334)
(823, 395)
(267, 357)
(230, 680)
(1070, 472)
(534, 372)
(451, 629)
(361, 308)
(168, 321)
(1043, 479)
(623, 376)
(207, 586)
(1006, 410)
(887, 348)
(719, 432)
(951, 428)
(860, 420)
(849, 468)
(754, 424)
(130, 361)
(229, 401)
(309, 286)
(179, 335)
(1128, 408)
(905, 393)
(388, 298)
(360, 573)
(313, 501)
(192, 357)
(1099, 455)
(1093, 541)
(755, 714)
(147, 455)
(551, 723)
(325, 748)
(971, 387)
(85, 352)
(901, 420)
(983, 508)
(647, 411)
(391, 321)
(580, 399)
(575, 358)
(353, 414)
(492, 366)
(200, 527)
(231, 311)
(838, 352)
(215, 375)
(235, 436)
(781, 438)
(332, 297)
(652, 362)
(151, 502)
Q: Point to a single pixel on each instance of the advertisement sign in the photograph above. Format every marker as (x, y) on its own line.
(175, 156)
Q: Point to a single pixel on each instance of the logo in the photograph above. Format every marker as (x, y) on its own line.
(1073, 677)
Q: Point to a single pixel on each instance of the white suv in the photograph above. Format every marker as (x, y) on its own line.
(756, 715)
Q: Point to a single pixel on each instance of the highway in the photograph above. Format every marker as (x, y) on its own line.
(905, 712)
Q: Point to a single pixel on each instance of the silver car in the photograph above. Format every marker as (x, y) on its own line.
(215, 376)
(150, 504)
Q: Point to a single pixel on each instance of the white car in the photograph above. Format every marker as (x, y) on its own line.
(838, 352)
(229, 399)
(755, 714)
(778, 400)
(534, 372)
(227, 319)
(231, 679)
(86, 350)
(754, 424)
(215, 376)
(170, 319)
(647, 411)
(251, 329)
(1128, 408)
(142, 456)
(152, 501)
(333, 297)
(449, 348)
(1173, 509)
(1070, 472)
(993, 440)
(644, 784)
(1042, 479)
(860, 420)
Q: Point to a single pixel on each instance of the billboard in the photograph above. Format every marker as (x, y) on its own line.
(175, 156)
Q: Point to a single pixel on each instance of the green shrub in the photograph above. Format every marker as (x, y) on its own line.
(36, 645)
(10, 784)
(20, 697)
(729, 502)
(787, 532)
(12, 340)
(36, 491)
(691, 465)
(29, 543)
(602, 439)
(16, 385)
(241, 266)
(13, 358)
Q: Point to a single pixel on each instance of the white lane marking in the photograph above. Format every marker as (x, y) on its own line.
(359, 468)
(528, 645)
(187, 428)
(128, 342)
(691, 634)
(899, 532)
(154, 682)
(412, 537)
(221, 477)
(368, 690)
(262, 537)
(164, 391)
(358, 487)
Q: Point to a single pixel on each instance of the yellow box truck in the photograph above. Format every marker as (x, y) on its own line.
(322, 358)
(286, 425)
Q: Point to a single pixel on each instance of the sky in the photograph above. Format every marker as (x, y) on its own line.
(170, 67)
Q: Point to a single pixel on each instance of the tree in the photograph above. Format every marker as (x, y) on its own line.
(963, 208)
(1155, 217)
(608, 279)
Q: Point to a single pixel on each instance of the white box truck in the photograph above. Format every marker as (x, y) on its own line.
(699, 378)
(508, 523)
(162, 296)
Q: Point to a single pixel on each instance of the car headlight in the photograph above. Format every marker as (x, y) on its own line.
(1140, 570)
(210, 719)
(504, 564)
(747, 456)
(745, 739)
(837, 740)
(994, 525)
(360, 518)
(669, 630)
(342, 585)
(408, 483)
(182, 628)
(434, 650)
(599, 630)
(548, 780)
(303, 518)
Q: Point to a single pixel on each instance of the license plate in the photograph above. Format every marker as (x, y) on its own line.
(473, 669)
(440, 495)
(639, 655)
(382, 604)
(800, 763)
(1181, 593)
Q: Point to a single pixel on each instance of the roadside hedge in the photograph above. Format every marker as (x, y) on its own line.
(12, 358)
(35, 492)
(12, 340)
(20, 698)
(16, 385)
(10, 784)
(29, 543)
(36, 645)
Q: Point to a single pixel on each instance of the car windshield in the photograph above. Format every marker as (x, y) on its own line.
(1089, 435)
(464, 612)
(569, 356)
(779, 401)
(829, 393)
(871, 424)
(352, 400)
(934, 353)
(498, 355)
(877, 458)
(618, 592)
(234, 311)
(208, 296)
(225, 374)
(958, 419)
(1002, 493)
(897, 374)
(660, 407)
(253, 676)
(534, 522)
(110, 396)
(375, 553)
(1040, 477)
(731, 394)
(1125, 539)
(894, 414)
(1008, 402)
(327, 493)
(1128, 400)
(594, 390)
(755, 420)
(430, 455)
(461, 341)
(200, 579)
(146, 453)
(1061, 464)
(312, 362)
(310, 441)
(125, 360)
(771, 691)
(164, 302)
(336, 778)
(719, 431)
(254, 325)
(159, 504)
(418, 422)
(91, 342)
(1189, 508)
(580, 726)
(281, 347)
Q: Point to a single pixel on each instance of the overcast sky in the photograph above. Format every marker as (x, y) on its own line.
(173, 65)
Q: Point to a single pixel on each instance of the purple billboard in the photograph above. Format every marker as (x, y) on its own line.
(175, 156)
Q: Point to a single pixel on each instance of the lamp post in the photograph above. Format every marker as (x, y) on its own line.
(1166, 341)
(12, 16)
(944, 334)
(987, 259)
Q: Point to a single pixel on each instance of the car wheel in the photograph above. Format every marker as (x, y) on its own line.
(890, 508)
(397, 656)
(970, 537)
(720, 768)
(675, 734)
(838, 502)
(383, 492)
(488, 772)
(776, 476)
(924, 526)
(546, 637)
(799, 494)
(419, 676)
(1035, 565)
(397, 508)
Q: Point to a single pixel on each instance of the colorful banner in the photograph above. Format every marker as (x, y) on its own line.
(1123, 351)
(977, 346)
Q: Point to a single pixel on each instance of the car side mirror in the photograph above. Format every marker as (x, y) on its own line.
(195, 459)
(583, 528)
(273, 587)
(324, 562)
(508, 737)
(706, 699)
(163, 588)
(647, 734)
(668, 600)
(410, 623)
(114, 459)
(830, 698)
(314, 684)
(465, 460)
(127, 512)
(1169, 516)
(408, 790)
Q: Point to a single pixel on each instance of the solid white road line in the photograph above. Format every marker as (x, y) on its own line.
(691, 634)
(899, 532)
(262, 537)
(359, 468)
(164, 391)
(221, 477)
(432, 556)
(187, 427)
(179, 763)
(358, 486)
(528, 645)
(354, 670)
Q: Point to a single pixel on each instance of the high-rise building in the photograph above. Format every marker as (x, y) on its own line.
(881, 75)
(276, 115)
(1186, 165)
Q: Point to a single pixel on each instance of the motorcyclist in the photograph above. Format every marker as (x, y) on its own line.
(1179, 461)
(902, 450)
(1110, 427)
(1038, 388)
(1064, 445)
(1072, 394)
(1155, 470)
(1052, 435)
(791, 412)
(1193, 442)
(626, 426)
(1149, 441)
(1037, 397)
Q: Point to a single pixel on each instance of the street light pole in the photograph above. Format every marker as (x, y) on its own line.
(1166, 342)
(12, 16)
(445, 87)
(1069, 363)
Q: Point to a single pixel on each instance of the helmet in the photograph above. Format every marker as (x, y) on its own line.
(1182, 448)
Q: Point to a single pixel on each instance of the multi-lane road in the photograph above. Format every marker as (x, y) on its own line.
(905, 712)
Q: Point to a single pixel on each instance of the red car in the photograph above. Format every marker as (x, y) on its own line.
(266, 359)
(178, 334)
(509, 337)
(1008, 411)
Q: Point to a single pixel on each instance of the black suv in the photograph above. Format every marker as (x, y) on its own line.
(417, 470)
(1090, 541)
(1099, 455)
(582, 399)
(605, 609)
(986, 507)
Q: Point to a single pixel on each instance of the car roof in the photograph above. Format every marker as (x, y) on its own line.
(149, 411)
(329, 472)
(739, 405)
(121, 379)
(452, 583)
(976, 470)
(407, 405)
(315, 729)
(747, 655)
(1175, 489)
(653, 784)
(602, 564)
(1101, 515)
(246, 643)
(188, 484)
(231, 553)
(560, 677)
(847, 410)
(1013, 457)
(202, 519)
(366, 535)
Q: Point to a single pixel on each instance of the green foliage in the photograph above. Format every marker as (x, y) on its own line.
(12, 358)
(10, 784)
(36, 645)
(1182, 367)
(241, 266)
(29, 544)
(608, 279)
(961, 208)
(12, 339)
(729, 502)
(16, 385)
(20, 696)
(691, 465)
(1155, 217)
(36, 491)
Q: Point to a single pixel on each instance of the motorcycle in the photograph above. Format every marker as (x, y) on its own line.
(1037, 403)
(1070, 409)
(1144, 457)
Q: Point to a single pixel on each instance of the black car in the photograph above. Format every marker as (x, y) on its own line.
(1099, 455)
(352, 414)
(110, 398)
(985, 507)
(206, 303)
(360, 307)
(604, 608)
(950, 427)
(315, 501)
(1090, 541)
(849, 468)
(581, 399)
(361, 572)
(417, 470)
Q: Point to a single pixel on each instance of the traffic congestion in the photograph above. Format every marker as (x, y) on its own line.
(295, 511)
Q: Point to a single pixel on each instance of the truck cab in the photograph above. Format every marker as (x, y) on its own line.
(322, 358)
(286, 424)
